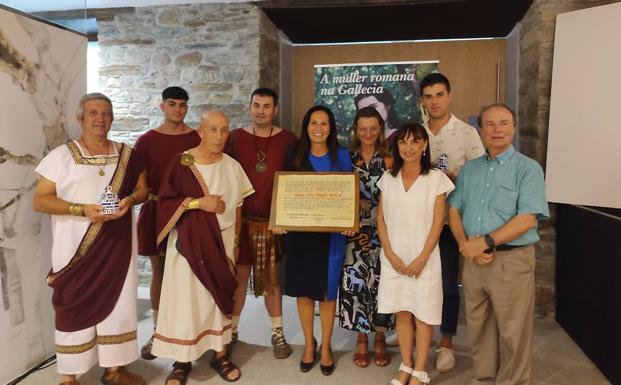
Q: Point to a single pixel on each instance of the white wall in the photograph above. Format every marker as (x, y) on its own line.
(584, 138)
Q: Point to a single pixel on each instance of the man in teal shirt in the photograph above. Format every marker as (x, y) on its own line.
(493, 215)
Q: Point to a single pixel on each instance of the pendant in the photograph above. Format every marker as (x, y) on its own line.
(261, 167)
(102, 173)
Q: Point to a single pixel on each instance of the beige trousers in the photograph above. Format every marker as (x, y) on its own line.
(500, 301)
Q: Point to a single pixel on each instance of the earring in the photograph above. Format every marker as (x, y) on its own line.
(424, 153)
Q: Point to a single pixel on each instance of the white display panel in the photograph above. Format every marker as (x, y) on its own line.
(42, 77)
(584, 138)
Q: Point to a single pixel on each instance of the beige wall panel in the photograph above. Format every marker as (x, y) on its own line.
(469, 65)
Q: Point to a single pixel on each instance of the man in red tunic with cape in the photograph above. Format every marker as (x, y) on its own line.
(199, 218)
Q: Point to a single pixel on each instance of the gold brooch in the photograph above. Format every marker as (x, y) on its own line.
(187, 160)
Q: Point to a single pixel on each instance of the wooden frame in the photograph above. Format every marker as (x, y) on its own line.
(351, 181)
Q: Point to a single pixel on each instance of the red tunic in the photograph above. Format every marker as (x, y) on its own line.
(156, 150)
(243, 146)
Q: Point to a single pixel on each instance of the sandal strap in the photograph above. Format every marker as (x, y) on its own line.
(225, 365)
(394, 381)
(180, 372)
(421, 376)
(182, 366)
(406, 369)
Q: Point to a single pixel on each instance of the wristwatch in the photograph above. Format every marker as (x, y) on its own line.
(491, 244)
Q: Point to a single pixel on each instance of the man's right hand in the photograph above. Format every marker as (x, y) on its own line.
(212, 204)
(483, 259)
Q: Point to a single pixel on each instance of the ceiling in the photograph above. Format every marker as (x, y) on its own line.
(316, 22)
(345, 21)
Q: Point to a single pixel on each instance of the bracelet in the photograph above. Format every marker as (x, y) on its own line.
(76, 209)
(193, 204)
(133, 199)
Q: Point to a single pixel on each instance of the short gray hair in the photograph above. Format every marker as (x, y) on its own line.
(93, 96)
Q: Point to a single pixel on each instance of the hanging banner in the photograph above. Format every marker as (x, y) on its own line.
(392, 88)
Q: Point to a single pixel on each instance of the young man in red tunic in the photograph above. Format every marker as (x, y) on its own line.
(261, 149)
(157, 147)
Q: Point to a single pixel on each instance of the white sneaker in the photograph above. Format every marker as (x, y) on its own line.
(392, 340)
(445, 360)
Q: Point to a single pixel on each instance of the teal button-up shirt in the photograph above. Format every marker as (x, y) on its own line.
(491, 191)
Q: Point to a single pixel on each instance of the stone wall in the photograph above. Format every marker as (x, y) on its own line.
(218, 52)
(536, 54)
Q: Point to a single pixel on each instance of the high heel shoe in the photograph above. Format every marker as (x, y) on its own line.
(306, 366)
(327, 370)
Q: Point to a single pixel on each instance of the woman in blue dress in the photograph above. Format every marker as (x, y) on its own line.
(315, 260)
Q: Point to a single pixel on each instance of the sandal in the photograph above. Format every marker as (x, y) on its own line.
(224, 366)
(72, 382)
(382, 358)
(145, 352)
(404, 369)
(422, 377)
(180, 372)
(362, 360)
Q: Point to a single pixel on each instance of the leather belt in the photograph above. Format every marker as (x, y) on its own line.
(505, 247)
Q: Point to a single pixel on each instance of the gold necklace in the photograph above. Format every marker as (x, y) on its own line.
(101, 167)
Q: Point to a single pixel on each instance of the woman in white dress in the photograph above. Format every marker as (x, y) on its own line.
(409, 220)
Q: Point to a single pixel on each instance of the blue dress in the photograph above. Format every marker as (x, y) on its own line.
(314, 261)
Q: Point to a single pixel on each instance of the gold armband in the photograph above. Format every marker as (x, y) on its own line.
(193, 204)
(236, 240)
(76, 209)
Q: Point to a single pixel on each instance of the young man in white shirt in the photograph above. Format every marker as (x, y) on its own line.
(452, 143)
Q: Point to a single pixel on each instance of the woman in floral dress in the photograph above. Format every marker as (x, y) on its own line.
(361, 270)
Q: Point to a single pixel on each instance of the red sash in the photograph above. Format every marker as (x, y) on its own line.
(87, 289)
(199, 238)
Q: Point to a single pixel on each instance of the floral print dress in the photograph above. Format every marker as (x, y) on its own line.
(361, 269)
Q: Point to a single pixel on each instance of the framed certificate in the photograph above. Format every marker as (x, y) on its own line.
(315, 201)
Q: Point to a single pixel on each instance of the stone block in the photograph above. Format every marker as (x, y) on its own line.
(160, 59)
(168, 17)
(189, 59)
(118, 70)
(232, 76)
(130, 123)
(544, 295)
(212, 87)
(127, 41)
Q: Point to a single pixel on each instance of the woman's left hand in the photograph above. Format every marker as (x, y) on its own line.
(416, 267)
